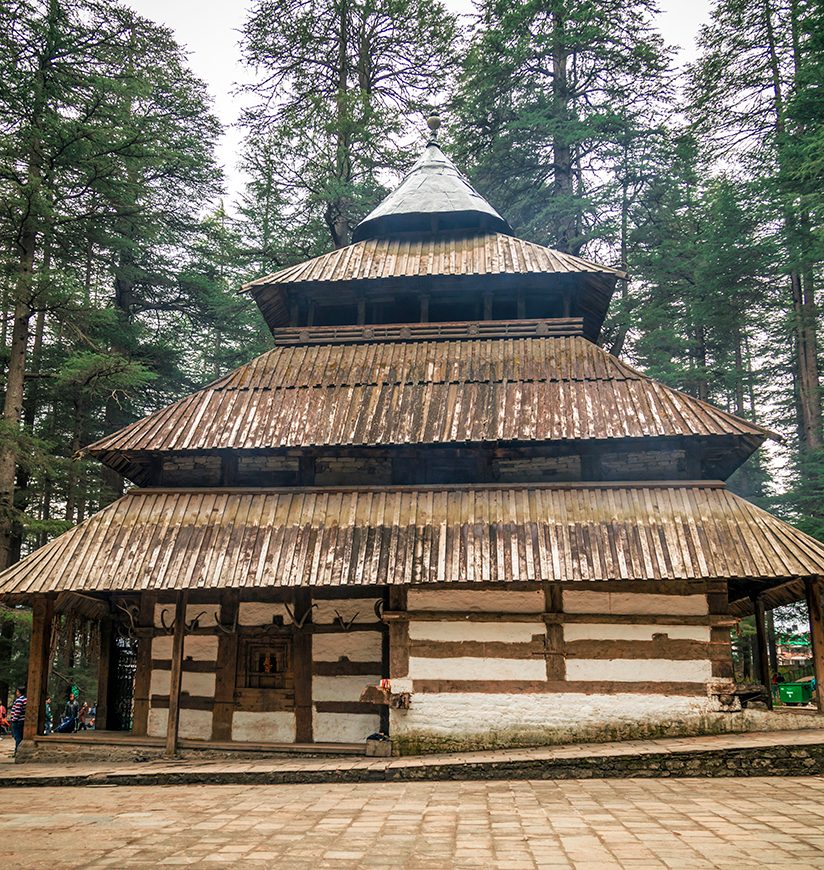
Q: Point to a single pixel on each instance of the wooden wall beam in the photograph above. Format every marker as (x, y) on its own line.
(302, 650)
(815, 589)
(143, 667)
(226, 669)
(176, 674)
(554, 654)
(763, 654)
(38, 674)
(398, 634)
(101, 722)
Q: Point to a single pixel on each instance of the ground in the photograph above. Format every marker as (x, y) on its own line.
(628, 823)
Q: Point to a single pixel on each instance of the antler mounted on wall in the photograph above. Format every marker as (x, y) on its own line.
(169, 629)
(343, 623)
(195, 623)
(302, 621)
(132, 612)
(231, 629)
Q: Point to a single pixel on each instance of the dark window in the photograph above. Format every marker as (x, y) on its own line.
(267, 664)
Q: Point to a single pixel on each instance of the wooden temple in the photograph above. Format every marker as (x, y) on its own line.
(435, 478)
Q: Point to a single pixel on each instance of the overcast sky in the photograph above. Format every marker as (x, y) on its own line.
(209, 31)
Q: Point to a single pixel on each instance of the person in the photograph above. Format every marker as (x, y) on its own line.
(49, 716)
(69, 723)
(4, 722)
(81, 717)
(17, 716)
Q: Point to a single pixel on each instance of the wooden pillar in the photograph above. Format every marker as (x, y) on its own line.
(226, 670)
(488, 299)
(814, 589)
(718, 604)
(763, 654)
(176, 675)
(398, 634)
(424, 308)
(554, 653)
(101, 721)
(143, 665)
(39, 649)
(302, 648)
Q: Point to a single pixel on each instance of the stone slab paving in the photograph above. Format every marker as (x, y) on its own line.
(594, 824)
(730, 754)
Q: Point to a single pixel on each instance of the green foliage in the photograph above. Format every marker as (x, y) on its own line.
(339, 83)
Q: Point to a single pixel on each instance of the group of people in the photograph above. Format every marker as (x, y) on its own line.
(76, 716)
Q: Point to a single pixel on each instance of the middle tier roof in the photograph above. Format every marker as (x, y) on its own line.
(424, 392)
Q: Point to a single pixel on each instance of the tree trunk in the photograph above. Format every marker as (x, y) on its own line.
(562, 156)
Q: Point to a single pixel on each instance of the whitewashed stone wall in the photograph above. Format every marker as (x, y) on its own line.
(194, 724)
(449, 713)
(329, 726)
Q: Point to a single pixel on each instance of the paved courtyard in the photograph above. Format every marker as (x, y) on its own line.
(690, 824)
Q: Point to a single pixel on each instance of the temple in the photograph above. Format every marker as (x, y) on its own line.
(437, 508)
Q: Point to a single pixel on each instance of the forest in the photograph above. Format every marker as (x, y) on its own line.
(121, 254)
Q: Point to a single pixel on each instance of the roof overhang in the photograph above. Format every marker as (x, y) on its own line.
(171, 539)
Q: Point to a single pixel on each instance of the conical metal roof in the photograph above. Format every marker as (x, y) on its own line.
(434, 195)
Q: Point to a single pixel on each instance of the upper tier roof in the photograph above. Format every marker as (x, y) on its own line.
(433, 196)
(492, 258)
(425, 392)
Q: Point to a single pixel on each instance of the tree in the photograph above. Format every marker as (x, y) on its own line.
(106, 156)
(553, 100)
(339, 82)
(748, 93)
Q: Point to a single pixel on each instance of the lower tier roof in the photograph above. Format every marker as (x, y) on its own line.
(155, 539)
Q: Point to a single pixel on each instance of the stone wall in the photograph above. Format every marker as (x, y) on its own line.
(489, 668)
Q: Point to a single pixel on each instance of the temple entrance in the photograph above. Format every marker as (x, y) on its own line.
(120, 694)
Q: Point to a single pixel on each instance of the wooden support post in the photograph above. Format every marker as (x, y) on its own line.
(424, 308)
(143, 666)
(226, 669)
(398, 635)
(101, 721)
(763, 654)
(554, 653)
(302, 648)
(176, 675)
(385, 673)
(39, 650)
(718, 604)
(814, 589)
(488, 299)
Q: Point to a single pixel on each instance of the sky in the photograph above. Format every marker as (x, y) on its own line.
(209, 30)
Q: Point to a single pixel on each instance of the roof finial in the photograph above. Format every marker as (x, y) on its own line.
(434, 124)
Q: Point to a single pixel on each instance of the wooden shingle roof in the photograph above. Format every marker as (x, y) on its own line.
(412, 393)
(157, 539)
(430, 262)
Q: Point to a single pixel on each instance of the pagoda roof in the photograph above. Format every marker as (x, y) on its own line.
(200, 539)
(494, 258)
(433, 196)
(541, 389)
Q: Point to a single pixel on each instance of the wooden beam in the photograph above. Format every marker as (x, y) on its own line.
(101, 720)
(554, 652)
(763, 654)
(39, 649)
(398, 633)
(176, 675)
(814, 589)
(143, 667)
(226, 669)
(302, 649)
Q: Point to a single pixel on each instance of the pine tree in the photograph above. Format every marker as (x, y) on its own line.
(339, 82)
(553, 98)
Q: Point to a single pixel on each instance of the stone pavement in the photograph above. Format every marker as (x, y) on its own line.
(773, 753)
(686, 824)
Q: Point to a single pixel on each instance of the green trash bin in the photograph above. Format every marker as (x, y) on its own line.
(795, 693)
